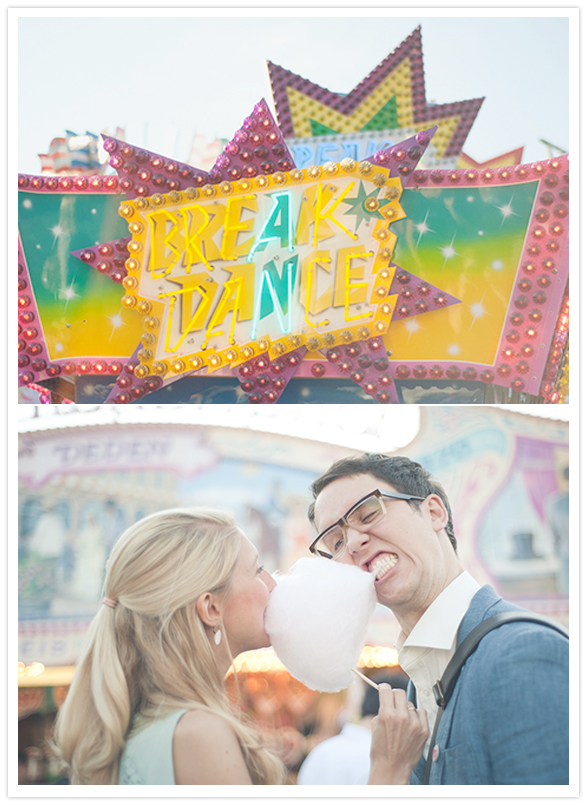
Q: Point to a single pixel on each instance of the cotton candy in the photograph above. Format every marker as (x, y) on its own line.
(317, 620)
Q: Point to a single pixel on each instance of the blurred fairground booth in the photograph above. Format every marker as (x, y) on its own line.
(342, 250)
(506, 475)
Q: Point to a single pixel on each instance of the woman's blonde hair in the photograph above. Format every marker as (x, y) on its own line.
(150, 654)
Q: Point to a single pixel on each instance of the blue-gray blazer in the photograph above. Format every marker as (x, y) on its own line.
(507, 722)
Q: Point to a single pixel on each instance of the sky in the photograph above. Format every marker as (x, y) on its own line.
(165, 78)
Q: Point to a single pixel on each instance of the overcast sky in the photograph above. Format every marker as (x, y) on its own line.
(165, 78)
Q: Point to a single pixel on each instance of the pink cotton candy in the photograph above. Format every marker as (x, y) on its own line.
(317, 620)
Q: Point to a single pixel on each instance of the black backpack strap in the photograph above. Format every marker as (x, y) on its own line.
(444, 687)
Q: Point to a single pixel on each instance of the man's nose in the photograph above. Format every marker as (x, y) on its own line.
(355, 540)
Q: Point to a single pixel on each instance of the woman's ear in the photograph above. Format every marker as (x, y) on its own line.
(207, 607)
(438, 512)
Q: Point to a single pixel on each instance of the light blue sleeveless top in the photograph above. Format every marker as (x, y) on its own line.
(147, 758)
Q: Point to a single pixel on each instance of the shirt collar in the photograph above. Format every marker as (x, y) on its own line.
(438, 626)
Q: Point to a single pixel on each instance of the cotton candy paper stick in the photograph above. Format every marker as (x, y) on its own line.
(365, 678)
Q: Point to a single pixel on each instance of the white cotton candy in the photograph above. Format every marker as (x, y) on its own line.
(317, 620)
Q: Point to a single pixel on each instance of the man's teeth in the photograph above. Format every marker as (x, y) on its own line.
(382, 564)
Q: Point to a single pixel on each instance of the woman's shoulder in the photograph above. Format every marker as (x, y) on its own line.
(204, 727)
(206, 750)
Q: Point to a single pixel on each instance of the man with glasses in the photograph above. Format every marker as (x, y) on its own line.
(507, 720)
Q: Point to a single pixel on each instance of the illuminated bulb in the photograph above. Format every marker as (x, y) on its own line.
(141, 203)
(159, 367)
(365, 168)
(348, 164)
(382, 235)
(296, 175)
(144, 306)
(231, 355)
(152, 322)
(314, 172)
(132, 264)
(364, 332)
(380, 326)
(225, 188)
(389, 212)
(371, 204)
(247, 352)
(385, 309)
(263, 344)
(135, 228)
(208, 191)
(142, 371)
(134, 246)
(295, 341)
(346, 336)
(126, 210)
(215, 360)
(129, 301)
(195, 362)
(278, 178)
(331, 168)
(244, 185)
(262, 182)
(157, 200)
(278, 348)
(178, 366)
(385, 254)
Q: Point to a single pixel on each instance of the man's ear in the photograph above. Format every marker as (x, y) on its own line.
(208, 609)
(437, 511)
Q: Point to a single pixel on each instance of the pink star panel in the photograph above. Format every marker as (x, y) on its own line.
(392, 96)
(257, 149)
(367, 364)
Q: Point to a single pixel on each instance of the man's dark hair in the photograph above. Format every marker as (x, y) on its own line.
(402, 473)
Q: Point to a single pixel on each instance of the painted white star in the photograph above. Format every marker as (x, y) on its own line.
(470, 198)
(506, 211)
(116, 322)
(423, 228)
(412, 326)
(68, 294)
(57, 231)
(27, 203)
(478, 311)
(448, 251)
(480, 233)
(94, 212)
(497, 265)
(453, 349)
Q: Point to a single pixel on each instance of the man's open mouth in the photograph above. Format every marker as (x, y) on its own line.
(382, 563)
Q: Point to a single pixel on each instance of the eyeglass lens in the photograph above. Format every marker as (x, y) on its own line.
(367, 513)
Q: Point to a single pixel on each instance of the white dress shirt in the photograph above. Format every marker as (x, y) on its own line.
(430, 646)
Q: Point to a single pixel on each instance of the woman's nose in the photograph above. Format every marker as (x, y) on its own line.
(269, 581)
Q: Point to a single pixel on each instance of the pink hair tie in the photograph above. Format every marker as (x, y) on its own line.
(110, 602)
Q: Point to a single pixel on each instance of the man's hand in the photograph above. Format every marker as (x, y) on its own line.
(399, 733)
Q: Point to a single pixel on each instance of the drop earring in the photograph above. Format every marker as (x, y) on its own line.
(217, 637)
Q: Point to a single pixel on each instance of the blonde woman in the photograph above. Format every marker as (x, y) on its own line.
(184, 594)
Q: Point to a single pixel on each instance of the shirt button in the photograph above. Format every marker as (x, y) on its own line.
(435, 753)
(426, 692)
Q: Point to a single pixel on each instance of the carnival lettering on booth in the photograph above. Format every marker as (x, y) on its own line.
(304, 253)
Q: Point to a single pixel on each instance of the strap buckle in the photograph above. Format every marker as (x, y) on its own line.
(439, 694)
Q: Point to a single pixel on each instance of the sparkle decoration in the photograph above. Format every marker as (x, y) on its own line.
(391, 97)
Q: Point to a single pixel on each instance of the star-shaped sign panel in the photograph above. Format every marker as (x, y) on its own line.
(391, 97)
